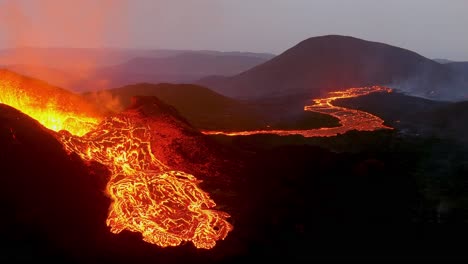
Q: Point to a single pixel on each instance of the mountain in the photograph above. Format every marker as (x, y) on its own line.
(190, 64)
(182, 68)
(95, 69)
(208, 110)
(442, 61)
(262, 55)
(461, 67)
(321, 64)
(98, 57)
(66, 58)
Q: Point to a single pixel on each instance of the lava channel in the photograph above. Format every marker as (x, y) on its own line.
(350, 119)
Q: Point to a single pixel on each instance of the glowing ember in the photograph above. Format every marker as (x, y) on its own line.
(165, 206)
(350, 119)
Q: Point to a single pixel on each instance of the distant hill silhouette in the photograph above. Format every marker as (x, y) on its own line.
(98, 57)
(321, 64)
(191, 64)
(461, 67)
(182, 68)
(442, 61)
(81, 69)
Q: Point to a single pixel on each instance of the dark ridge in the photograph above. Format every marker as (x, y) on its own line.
(208, 110)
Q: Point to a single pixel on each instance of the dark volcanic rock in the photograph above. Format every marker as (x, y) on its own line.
(52, 204)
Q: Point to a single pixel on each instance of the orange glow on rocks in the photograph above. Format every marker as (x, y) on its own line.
(350, 119)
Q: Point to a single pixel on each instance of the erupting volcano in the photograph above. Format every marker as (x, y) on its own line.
(54, 108)
(165, 205)
(152, 194)
(350, 119)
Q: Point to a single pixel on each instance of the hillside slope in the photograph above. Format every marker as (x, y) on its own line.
(321, 64)
(208, 110)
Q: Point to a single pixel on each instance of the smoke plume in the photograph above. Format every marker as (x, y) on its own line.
(52, 39)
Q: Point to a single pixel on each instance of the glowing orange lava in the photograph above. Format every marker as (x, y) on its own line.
(166, 206)
(54, 108)
(350, 119)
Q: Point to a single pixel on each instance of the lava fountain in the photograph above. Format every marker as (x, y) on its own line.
(166, 206)
(349, 119)
(54, 108)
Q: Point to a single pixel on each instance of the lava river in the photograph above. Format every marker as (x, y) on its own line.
(350, 119)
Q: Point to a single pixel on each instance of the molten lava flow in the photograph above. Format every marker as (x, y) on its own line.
(53, 109)
(350, 119)
(165, 206)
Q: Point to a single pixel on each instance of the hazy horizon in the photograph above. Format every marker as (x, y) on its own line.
(432, 28)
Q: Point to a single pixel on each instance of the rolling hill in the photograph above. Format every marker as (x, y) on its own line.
(461, 67)
(190, 64)
(326, 63)
(99, 57)
(442, 61)
(181, 68)
(82, 69)
(208, 110)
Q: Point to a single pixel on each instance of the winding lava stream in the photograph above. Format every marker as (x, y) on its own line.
(350, 119)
